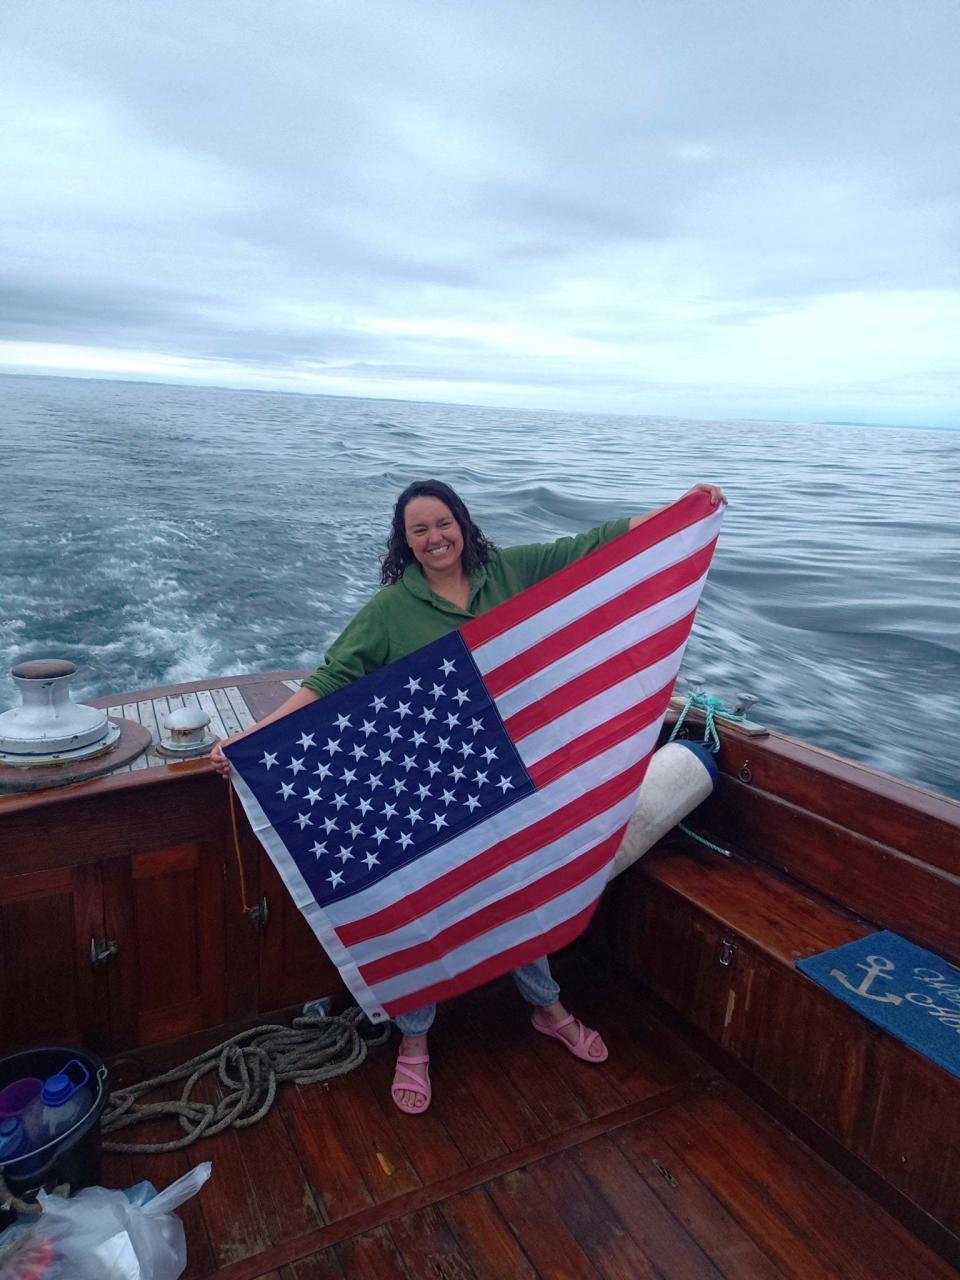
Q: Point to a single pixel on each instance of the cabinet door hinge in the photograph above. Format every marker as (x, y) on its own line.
(102, 951)
(727, 953)
(259, 915)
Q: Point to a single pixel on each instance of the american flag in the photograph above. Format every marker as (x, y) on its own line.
(456, 813)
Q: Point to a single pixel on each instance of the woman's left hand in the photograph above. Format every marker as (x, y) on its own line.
(716, 494)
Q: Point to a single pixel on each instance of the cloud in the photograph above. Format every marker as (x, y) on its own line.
(645, 206)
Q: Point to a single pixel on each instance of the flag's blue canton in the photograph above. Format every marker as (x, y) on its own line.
(374, 775)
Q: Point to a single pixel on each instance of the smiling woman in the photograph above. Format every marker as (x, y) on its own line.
(437, 573)
(432, 525)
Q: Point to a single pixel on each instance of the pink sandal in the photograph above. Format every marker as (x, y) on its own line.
(580, 1048)
(405, 1079)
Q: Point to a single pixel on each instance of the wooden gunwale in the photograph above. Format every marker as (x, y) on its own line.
(886, 810)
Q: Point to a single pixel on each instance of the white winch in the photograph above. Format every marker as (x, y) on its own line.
(49, 727)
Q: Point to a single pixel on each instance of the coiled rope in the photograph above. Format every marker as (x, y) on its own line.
(249, 1066)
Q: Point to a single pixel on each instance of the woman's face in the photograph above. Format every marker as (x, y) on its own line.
(433, 534)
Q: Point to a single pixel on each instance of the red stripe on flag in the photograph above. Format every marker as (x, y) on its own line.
(681, 515)
(600, 739)
(511, 849)
(598, 679)
(523, 953)
(495, 914)
(581, 631)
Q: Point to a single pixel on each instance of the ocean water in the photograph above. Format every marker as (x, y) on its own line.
(155, 534)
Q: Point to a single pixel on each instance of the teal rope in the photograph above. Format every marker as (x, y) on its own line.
(682, 826)
(711, 707)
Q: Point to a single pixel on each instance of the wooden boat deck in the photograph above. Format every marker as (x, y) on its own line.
(530, 1164)
(231, 707)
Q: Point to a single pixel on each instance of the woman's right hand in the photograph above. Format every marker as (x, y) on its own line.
(301, 698)
(219, 760)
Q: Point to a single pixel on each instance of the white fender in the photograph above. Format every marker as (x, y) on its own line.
(679, 777)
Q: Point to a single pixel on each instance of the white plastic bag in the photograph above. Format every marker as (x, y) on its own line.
(100, 1235)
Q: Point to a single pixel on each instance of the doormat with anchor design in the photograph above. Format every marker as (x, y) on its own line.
(912, 993)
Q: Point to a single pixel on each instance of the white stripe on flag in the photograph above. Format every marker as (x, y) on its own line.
(597, 649)
(540, 920)
(639, 567)
(565, 729)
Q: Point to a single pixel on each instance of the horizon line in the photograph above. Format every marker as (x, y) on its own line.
(464, 404)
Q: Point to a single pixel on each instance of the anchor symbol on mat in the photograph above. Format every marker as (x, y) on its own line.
(876, 967)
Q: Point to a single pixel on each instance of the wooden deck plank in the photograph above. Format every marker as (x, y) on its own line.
(149, 718)
(645, 1054)
(534, 1220)
(265, 697)
(505, 1038)
(596, 1227)
(117, 713)
(428, 1247)
(802, 1213)
(660, 1164)
(748, 1202)
(481, 1108)
(325, 1153)
(372, 1257)
(378, 1156)
(374, 1215)
(240, 709)
(131, 711)
(823, 1200)
(232, 1201)
(484, 1237)
(287, 1203)
(661, 1238)
(320, 1266)
(231, 721)
(208, 704)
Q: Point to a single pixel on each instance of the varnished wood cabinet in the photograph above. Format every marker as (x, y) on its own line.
(164, 913)
(122, 923)
(293, 965)
(49, 992)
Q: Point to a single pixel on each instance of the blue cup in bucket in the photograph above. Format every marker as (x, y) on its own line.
(15, 1144)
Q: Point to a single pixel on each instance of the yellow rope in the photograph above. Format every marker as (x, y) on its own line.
(236, 850)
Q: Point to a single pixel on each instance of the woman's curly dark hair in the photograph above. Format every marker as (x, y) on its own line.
(476, 548)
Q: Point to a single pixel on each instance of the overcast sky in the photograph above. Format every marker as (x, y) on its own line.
(719, 209)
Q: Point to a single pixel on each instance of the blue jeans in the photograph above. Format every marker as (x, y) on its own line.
(534, 981)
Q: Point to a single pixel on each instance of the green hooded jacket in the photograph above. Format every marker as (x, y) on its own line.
(407, 615)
